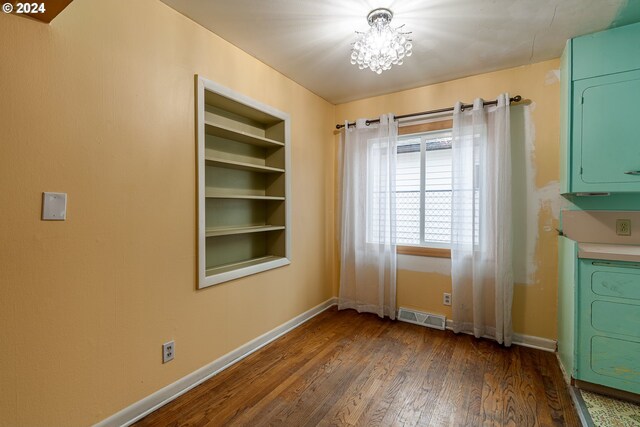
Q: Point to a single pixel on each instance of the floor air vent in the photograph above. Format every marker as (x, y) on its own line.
(435, 321)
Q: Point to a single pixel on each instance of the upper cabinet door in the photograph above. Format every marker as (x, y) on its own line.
(607, 133)
(607, 52)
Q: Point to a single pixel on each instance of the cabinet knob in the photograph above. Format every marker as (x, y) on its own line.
(632, 173)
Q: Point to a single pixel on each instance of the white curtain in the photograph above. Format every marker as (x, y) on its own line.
(367, 224)
(481, 225)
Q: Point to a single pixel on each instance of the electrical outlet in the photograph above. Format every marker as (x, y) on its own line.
(446, 298)
(168, 351)
(623, 227)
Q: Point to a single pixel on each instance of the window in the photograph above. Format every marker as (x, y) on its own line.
(423, 188)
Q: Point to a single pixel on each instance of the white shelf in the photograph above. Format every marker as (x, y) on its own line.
(240, 109)
(214, 232)
(236, 135)
(212, 194)
(243, 264)
(231, 164)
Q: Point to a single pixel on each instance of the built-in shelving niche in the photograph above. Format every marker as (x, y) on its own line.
(243, 185)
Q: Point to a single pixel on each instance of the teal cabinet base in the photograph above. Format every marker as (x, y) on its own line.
(608, 324)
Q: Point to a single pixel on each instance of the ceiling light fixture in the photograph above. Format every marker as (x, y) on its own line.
(381, 46)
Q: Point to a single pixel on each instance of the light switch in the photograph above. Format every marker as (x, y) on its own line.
(54, 206)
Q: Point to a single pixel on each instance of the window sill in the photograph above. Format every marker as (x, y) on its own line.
(424, 251)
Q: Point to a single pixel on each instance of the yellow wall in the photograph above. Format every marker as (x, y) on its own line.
(535, 301)
(100, 104)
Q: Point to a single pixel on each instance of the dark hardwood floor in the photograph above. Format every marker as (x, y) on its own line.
(345, 368)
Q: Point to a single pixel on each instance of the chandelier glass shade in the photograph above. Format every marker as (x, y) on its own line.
(381, 46)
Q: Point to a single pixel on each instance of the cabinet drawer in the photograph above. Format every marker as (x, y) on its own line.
(616, 284)
(617, 359)
(616, 318)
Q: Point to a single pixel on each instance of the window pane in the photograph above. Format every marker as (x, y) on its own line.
(437, 218)
(408, 192)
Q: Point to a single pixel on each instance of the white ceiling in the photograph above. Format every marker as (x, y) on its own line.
(309, 41)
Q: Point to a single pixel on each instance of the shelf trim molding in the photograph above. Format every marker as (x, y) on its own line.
(203, 85)
(212, 194)
(232, 164)
(247, 138)
(215, 232)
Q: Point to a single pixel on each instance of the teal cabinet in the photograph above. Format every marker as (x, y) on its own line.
(600, 134)
(608, 324)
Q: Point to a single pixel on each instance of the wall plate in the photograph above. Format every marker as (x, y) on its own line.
(54, 206)
(168, 351)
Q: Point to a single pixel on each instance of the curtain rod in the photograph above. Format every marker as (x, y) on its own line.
(516, 98)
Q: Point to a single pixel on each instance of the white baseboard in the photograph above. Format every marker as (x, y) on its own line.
(535, 342)
(143, 407)
(530, 341)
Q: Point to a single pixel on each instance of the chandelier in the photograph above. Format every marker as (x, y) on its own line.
(381, 46)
